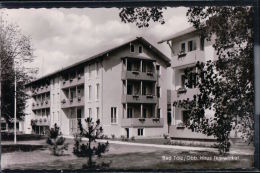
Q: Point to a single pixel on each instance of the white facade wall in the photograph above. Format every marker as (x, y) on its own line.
(110, 94)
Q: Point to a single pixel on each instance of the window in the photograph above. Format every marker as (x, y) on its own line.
(140, 49)
(129, 66)
(129, 89)
(132, 48)
(158, 113)
(89, 71)
(185, 116)
(79, 113)
(144, 90)
(129, 112)
(183, 47)
(140, 132)
(97, 68)
(97, 94)
(183, 79)
(158, 90)
(191, 45)
(144, 112)
(89, 112)
(89, 92)
(113, 115)
(97, 112)
(201, 43)
(158, 69)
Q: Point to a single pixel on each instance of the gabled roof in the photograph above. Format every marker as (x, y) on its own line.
(103, 54)
(178, 34)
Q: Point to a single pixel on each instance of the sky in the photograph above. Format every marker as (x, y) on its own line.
(61, 37)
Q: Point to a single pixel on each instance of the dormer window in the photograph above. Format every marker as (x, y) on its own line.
(140, 49)
(132, 48)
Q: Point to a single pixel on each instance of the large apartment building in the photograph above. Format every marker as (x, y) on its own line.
(125, 87)
(187, 48)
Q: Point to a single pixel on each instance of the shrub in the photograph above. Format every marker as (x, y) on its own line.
(92, 132)
(56, 142)
(165, 136)
(132, 138)
(123, 138)
(113, 136)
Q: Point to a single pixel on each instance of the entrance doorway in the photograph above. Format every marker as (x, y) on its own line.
(127, 132)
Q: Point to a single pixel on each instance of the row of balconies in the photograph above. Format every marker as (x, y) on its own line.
(142, 122)
(72, 102)
(139, 98)
(138, 75)
(73, 82)
(41, 105)
(41, 121)
(41, 90)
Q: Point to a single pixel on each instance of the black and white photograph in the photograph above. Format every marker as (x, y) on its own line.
(129, 88)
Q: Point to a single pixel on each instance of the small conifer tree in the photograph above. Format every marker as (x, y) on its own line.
(56, 142)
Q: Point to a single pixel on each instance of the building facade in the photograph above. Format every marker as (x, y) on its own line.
(187, 48)
(125, 87)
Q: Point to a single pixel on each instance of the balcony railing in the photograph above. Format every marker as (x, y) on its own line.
(73, 102)
(142, 122)
(41, 90)
(73, 82)
(183, 94)
(41, 105)
(139, 99)
(138, 75)
(185, 58)
(41, 121)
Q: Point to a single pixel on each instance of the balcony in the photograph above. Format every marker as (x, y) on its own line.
(75, 102)
(142, 122)
(41, 105)
(138, 75)
(139, 99)
(188, 58)
(41, 121)
(41, 90)
(181, 95)
(73, 82)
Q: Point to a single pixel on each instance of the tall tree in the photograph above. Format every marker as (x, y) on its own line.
(15, 53)
(226, 84)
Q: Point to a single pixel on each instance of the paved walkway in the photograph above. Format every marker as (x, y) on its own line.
(189, 148)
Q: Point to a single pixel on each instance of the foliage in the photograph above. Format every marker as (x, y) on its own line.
(142, 16)
(15, 49)
(56, 142)
(132, 138)
(113, 136)
(123, 138)
(225, 84)
(165, 136)
(92, 132)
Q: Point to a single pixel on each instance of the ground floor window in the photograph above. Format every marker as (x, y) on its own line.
(113, 115)
(140, 132)
(3, 126)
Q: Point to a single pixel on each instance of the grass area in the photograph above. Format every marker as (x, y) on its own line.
(125, 157)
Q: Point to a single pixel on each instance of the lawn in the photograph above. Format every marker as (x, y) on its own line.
(125, 157)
